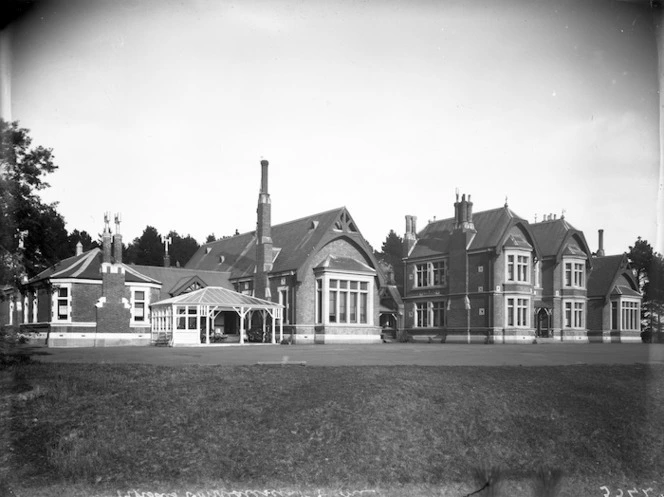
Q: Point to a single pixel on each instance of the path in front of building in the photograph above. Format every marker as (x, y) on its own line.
(364, 355)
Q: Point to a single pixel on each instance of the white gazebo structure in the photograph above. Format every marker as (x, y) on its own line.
(187, 317)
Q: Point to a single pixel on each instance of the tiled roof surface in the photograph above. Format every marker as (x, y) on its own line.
(345, 264)
(296, 240)
(490, 225)
(87, 266)
(550, 235)
(174, 278)
(217, 296)
(604, 273)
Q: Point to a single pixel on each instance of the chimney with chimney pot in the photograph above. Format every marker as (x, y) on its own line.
(79, 248)
(464, 214)
(106, 239)
(410, 236)
(600, 248)
(117, 241)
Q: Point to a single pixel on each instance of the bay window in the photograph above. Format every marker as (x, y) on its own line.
(517, 312)
(517, 267)
(344, 299)
(575, 274)
(574, 314)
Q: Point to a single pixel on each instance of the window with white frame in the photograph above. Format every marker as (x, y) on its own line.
(344, 300)
(429, 314)
(575, 274)
(422, 275)
(438, 314)
(431, 274)
(630, 314)
(62, 303)
(574, 315)
(187, 317)
(518, 267)
(517, 312)
(139, 305)
(421, 315)
(438, 271)
(283, 300)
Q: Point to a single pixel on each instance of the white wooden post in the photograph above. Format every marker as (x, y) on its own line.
(274, 331)
(281, 326)
(242, 314)
(207, 325)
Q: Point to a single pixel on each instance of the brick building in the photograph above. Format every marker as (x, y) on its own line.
(493, 277)
(93, 299)
(318, 267)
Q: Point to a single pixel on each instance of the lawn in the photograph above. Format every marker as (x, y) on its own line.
(105, 429)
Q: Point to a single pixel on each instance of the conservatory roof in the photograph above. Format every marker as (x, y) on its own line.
(219, 297)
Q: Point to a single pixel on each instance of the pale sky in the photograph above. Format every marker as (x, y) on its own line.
(163, 109)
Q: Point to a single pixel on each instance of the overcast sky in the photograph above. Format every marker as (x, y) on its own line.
(163, 109)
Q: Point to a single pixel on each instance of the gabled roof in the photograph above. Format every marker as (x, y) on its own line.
(175, 279)
(345, 265)
(492, 229)
(605, 277)
(553, 238)
(294, 242)
(87, 266)
(219, 297)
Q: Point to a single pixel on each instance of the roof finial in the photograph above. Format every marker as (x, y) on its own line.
(506, 202)
(536, 217)
(562, 216)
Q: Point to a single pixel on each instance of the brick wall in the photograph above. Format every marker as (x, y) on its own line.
(113, 316)
(305, 292)
(84, 298)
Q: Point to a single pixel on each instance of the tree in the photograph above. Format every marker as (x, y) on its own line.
(83, 237)
(147, 250)
(649, 268)
(181, 249)
(32, 233)
(391, 254)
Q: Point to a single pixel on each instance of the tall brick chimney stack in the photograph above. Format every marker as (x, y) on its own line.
(263, 238)
(113, 307)
(410, 236)
(600, 248)
(463, 212)
(117, 241)
(106, 239)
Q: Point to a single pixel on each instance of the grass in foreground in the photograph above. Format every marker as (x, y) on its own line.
(127, 426)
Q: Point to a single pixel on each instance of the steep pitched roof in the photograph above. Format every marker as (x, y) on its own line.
(293, 243)
(492, 231)
(553, 237)
(221, 297)
(604, 276)
(174, 279)
(87, 266)
(344, 264)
